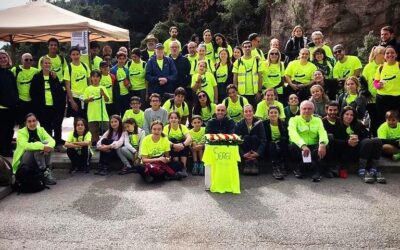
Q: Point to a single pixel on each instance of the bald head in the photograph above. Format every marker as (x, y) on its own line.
(26, 60)
(220, 111)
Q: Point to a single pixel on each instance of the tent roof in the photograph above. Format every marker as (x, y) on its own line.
(38, 21)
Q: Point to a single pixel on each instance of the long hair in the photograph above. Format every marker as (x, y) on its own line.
(197, 105)
(354, 122)
(228, 60)
(119, 129)
(325, 98)
(375, 51)
(132, 122)
(355, 80)
(215, 45)
(269, 56)
(157, 122)
(85, 124)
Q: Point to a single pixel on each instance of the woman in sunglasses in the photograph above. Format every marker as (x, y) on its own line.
(203, 107)
(273, 75)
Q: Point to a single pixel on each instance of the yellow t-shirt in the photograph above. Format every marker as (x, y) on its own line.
(121, 76)
(183, 110)
(300, 73)
(272, 76)
(275, 133)
(255, 53)
(346, 69)
(56, 65)
(221, 73)
(106, 82)
(96, 111)
(78, 78)
(208, 83)
(325, 47)
(230, 51)
(386, 132)
(24, 80)
(234, 110)
(391, 75)
(263, 107)
(138, 117)
(152, 149)
(47, 92)
(369, 74)
(210, 51)
(351, 98)
(198, 136)
(207, 114)
(137, 74)
(177, 134)
(96, 63)
(167, 50)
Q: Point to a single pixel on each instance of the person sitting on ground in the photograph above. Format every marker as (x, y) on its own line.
(180, 138)
(178, 104)
(277, 142)
(308, 139)
(331, 123)
(355, 143)
(389, 133)
(197, 133)
(155, 112)
(353, 98)
(252, 131)
(330, 85)
(220, 124)
(203, 107)
(78, 146)
(292, 109)
(234, 103)
(33, 151)
(270, 97)
(135, 112)
(129, 151)
(319, 99)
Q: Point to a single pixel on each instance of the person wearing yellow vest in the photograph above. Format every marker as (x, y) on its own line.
(76, 78)
(173, 32)
(247, 75)
(223, 73)
(94, 52)
(274, 72)
(255, 40)
(345, 66)
(318, 42)
(299, 75)
(121, 73)
(24, 74)
(204, 80)
(376, 58)
(387, 83)
(137, 75)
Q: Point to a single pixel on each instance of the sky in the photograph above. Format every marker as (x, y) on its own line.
(5, 4)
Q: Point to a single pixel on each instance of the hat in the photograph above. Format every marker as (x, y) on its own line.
(103, 64)
(338, 47)
(159, 46)
(151, 37)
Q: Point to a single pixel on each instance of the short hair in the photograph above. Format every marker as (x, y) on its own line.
(392, 114)
(231, 86)
(95, 72)
(121, 53)
(306, 102)
(317, 33)
(253, 36)
(136, 51)
(135, 99)
(248, 106)
(155, 95)
(173, 27)
(274, 107)
(245, 42)
(174, 113)
(206, 30)
(388, 29)
(320, 51)
(53, 39)
(74, 48)
(94, 45)
(180, 91)
(332, 104)
(197, 117)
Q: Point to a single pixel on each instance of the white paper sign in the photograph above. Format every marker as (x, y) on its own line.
(80, 39)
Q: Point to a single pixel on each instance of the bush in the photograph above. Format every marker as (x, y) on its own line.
(370, 40)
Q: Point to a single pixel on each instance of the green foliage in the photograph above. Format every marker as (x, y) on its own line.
(370, 40)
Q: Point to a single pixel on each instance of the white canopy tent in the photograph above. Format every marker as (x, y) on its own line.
(38, 21)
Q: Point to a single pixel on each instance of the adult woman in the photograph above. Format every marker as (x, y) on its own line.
(48, 97)
(273, 75)
(111, 140)
(204, 80)
(278, 140)
(180, 138)
(237, 53)
(353, 98)
(299, 74)
(376, 58)
(207, 41)
(33, 152)
(319, 99)
(219, 43)
(296, 42)
(223, 73)
(252, 131)
(203, 106)
(201, 53)
(8, 104)
(323, 63)
(154, 151)
(269, 100)
(318, 42)
(387, 83)
(330, 85)
(354, 141)
(234, 103)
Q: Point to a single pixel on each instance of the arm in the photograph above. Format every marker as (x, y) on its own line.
(149, 73)
(293, 134)
(173, 74)
(120, 142)
(127, 143)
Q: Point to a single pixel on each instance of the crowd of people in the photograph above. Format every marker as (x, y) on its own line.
(306, 103)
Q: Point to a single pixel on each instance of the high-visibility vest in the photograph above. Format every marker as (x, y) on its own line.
(243, 74)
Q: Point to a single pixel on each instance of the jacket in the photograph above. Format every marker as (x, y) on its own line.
(282, 129)
(360, 104)
(8, 89)
(308, 133)
(224, 126)
(23, 144)
(359, 129)
(153, 72)
(256, 130)
(293, 47)
(183, 78)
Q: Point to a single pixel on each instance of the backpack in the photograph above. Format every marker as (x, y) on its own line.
(5, 172)
(130, 63)
(29, 179)
(172, 100)
(226, 102)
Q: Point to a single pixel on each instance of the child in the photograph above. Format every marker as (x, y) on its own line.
(178, 104)
(135, 112)
(122, 75)
(108, 81)
(96, 96)
(197, 133)
(180, 139)
(156, 112)
(293, 107)
(389, 133)
(128, 152)
(78, 146)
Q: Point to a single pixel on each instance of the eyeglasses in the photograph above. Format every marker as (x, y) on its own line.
(246, 47)
(337, 51)
(274, 54)
(28, 60)
(201, 96)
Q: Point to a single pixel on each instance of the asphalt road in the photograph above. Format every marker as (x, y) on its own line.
(123, 212)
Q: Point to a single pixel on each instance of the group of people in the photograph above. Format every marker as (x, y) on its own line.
(309, 103)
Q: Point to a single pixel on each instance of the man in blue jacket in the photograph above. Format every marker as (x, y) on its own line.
(161, 73)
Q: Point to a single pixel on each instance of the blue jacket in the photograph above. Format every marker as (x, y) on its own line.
(153, 72)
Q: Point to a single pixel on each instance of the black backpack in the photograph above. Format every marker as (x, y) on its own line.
(226, 102)
(29, 179)
(5, 172)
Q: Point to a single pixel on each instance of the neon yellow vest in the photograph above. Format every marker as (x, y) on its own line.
(242, 76)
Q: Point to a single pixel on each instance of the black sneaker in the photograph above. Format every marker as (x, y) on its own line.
(149, 178)
(126, 170)
(316, 177)
(369, 177)
(380, 178)
(48, 178)
(297, 173)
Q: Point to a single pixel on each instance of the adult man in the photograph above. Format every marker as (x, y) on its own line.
(220, 123)
(58, 62)
(255, 40)
(388, 38)
(346, 65)
(94, 52)
(173, 32)
(24, 74)
(148, 52)
(160, 73)
(247, 75)
(192, 56)
(309, 139)
(253, 133)
(182, 65)
(331, 125)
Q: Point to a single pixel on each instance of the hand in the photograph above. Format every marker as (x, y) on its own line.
(164, 159)
(90, 99)
(53, 74)
(306, 151)
(178, 147)
(294, 86)
(254, 154)
(381, 84)
(74, 105)
(162, 80)
(247, 156)
(102, 92)
(321, 151)
(105, 148)
(47, 149)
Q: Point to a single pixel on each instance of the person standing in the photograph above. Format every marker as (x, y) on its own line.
(121, 73)
(173, 32)
(182, 65)
(94, 55)
(149, 51)
(58, 62)
(295, 43)
(255, 40)
(388, 38)
(137, 75)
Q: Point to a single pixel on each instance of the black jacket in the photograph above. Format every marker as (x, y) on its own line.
(182, 65)
(224, 126)
(360, 104)
(293, 47)
(394, 44)
(359, 129)
(257, 130)
(282, 129)
(330, 128)
(144, 55)
(8, 89)
(37, 92)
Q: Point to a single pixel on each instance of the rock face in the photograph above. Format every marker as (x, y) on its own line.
(341, 21)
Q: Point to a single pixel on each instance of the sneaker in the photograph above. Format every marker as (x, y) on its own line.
(369, 178)
(201, 168)
(126, 170)
(380, 178)
(277, 174)
(396, 157)
(297, 173)
(247, 168)
(183, 173)
(195, 169)
(148, 178)
(361, 172)
(316, 177)
(48, 177)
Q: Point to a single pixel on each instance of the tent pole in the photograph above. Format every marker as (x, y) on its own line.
(13, 50)
(90, 57)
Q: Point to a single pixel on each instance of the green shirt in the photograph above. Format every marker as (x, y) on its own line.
(107, 82)
(302, 132)
(167, 49)
(343, 70)
(152, 149)
(121, 78)
(257, 52)
(177, 134)
(138, 117)
(78, 79)
(230, 51)
(86, 138)
(193, 62)
(47, 92)
(195, 66)
(57, 65)
(221, 73)
(183, 110)
(210, 51)
(96, 111)
(369, 74)
(137, 74)
(248, 65)
(208, 83)
(351, 98)
(207, 114)
(198, 136)
(300, 73)
(391, 75)
(96, 63)
(275, 133)
(24, 80)
(263, 107)
(272, 76)
(234, 110)
(386, 132)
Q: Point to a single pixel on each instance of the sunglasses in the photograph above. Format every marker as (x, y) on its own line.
(337, 51)
(274, 54)
(28, 60)
(201, 96)
(246, 47)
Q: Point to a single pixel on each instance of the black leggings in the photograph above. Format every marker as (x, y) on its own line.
(80, 158)
(367, 149)
(7, 121)
(277, 151)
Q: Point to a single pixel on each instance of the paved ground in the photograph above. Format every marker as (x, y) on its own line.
(121, 212)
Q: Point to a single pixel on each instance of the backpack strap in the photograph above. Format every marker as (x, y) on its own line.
(226, 102)
(129, 64)
(241, 101)
(62, 59)
(17, 71)
(144, 65)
